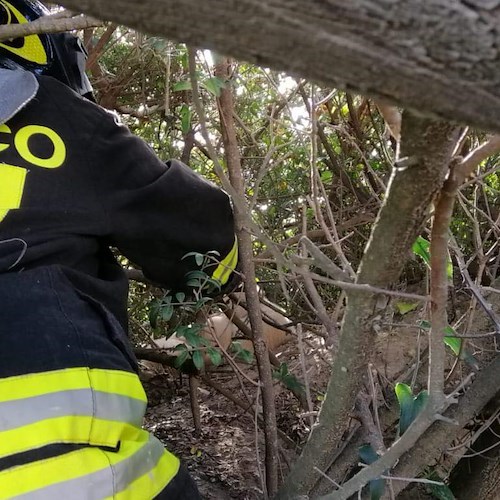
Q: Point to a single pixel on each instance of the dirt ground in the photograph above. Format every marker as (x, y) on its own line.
(223, 457)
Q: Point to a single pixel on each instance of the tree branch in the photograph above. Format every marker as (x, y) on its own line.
(410, 192)
(383, 49)
(48, 24)
(233, 161)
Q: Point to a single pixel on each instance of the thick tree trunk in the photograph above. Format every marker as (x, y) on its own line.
(428, 146)
(438, 56)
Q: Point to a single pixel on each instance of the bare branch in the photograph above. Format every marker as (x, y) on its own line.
(475, 157)
(56, 23)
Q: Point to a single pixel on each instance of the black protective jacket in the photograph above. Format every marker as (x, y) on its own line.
(74, 182)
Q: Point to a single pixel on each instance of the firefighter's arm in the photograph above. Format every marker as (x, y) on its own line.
(158, 213)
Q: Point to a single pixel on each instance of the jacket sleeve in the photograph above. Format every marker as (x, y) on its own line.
(157, 213)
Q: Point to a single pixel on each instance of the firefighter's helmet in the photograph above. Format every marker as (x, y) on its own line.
(60, 55)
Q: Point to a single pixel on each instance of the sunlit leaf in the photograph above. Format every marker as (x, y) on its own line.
(179, 86)
(185, 113)
(214, 85)
(409, 405)
(421, 247)
(406, 307)
(455, 344)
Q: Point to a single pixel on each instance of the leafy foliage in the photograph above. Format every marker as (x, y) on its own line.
(409, 406)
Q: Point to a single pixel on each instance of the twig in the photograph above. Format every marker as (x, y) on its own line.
(304, 374)
(367, 288)
(323, 262)
(439, 282)
(194, 384)
(256, 442)
(55, 23)
(478, 155)
(233, 161)
(473, 287)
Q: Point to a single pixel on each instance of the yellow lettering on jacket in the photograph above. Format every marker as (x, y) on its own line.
(21, 141)
(12, 177)
(4, 129)
(11, 187)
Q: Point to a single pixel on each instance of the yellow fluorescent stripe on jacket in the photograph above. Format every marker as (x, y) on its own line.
(156, 480)
(76, 405)
(83, 406)
(101, 473)
(227, 265)
(70, 429)
(37, 384)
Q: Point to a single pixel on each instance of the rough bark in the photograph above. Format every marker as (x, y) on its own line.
(428, 147)
(438, 56)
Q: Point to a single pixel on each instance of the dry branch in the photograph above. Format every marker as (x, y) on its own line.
(48, 24)
(233, 161)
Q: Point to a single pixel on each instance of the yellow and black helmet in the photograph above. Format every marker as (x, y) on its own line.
(61, 55)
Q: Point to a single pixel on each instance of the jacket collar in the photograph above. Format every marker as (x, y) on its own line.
(17, 89)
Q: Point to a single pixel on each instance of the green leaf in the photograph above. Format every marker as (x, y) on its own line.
(421, 247)
(420, 402)
(455, 344)
(409, 406)
(214, 85)
(406, 307)
(180, 297)
(201, 303)
(425, 325)
(191, 334)
(289, 380)
(368, 456)
(167, 310)
(242, 354)
(198, 360)
(197, 274)
(326, 176)
(154, 312)
(179, 86)
(439, 491)
(185, 119)
(449, 268)
(184, 59)
(182, 357)
(214, 355)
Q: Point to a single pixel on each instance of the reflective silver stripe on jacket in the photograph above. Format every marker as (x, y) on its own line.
(79, 402)
(106, 482)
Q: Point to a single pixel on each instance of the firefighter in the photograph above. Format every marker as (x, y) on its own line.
(73, 183)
